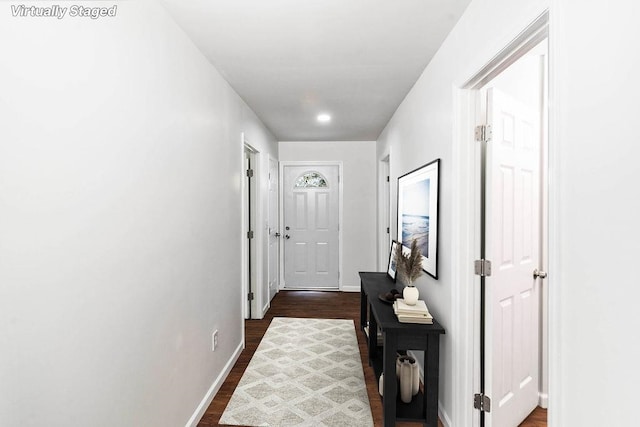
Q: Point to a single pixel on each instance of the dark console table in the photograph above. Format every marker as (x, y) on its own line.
(399, 336)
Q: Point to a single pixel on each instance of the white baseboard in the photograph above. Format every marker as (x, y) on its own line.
(444, 417)
(350, 288)
(208, 398)
(543, 400)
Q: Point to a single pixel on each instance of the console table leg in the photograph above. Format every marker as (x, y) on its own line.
(390, 380)
(372, 343)
(363, 309)
(432, 372)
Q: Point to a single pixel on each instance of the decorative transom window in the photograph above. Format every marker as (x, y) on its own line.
(311, 180)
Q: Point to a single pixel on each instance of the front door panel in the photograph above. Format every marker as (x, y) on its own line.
(311, 215)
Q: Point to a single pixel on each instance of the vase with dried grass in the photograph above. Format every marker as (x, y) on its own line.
(409, 267)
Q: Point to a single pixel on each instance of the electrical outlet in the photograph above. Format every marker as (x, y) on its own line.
(214, 340)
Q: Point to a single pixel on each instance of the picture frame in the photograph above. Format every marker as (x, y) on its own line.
(418, 208)
(391, 268)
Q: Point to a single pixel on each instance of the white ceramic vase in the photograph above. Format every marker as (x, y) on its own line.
(406, 381)
(381, 384)
(410, 294)
(415, 379)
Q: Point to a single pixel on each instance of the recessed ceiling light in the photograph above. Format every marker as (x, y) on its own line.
(324, 118)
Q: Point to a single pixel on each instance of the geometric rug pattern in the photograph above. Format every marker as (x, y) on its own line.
(305, 372)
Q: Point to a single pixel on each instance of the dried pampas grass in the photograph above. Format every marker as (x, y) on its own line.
(409, 265)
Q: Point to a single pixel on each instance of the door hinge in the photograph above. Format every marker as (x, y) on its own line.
(387, 178)
(482, 402)
(387, 230)
(250, 296)
(250, 234)
(482, 267)
(483, 133)
(250, 173)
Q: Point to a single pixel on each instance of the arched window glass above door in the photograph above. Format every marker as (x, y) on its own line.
(311, 180)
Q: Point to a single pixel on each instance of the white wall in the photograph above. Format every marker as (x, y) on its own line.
(595, 201)
(594, 142)
(423, 129)
(359, 198)
(119, 198)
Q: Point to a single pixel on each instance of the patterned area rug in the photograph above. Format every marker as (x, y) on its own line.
(305, 372)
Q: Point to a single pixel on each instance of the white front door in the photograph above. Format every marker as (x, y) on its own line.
(274, 240)
(311, 215)
(513, 246)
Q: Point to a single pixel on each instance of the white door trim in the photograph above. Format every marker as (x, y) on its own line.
(466, 220)
(243, 231)
(243, 251)
(554, 343)
(465, 249)
(257, 218)
(340, 204)
(384, 211)
(269, 219)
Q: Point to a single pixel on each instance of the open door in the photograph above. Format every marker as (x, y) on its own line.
(512, 244)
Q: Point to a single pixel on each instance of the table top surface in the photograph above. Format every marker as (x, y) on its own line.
(376, 283)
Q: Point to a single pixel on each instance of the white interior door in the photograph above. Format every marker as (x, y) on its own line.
(273, 224)
(311, 215)
(512, 245)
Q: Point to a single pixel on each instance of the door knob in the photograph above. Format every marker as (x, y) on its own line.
(539, 274)
(286, 236)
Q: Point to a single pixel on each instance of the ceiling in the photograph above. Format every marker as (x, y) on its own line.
(291, 60)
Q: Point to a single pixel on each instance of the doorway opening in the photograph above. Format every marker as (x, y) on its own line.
(504, 110)
(310, 224)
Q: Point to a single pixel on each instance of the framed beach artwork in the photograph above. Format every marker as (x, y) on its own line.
(418, 213)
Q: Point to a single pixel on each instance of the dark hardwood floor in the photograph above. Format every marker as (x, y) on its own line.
(538, 418)
(323, 305)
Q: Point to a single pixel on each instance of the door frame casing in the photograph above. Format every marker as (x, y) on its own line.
(466, 222)
(272, 159)
(256, 244)
(286, 163)
(384, 211)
